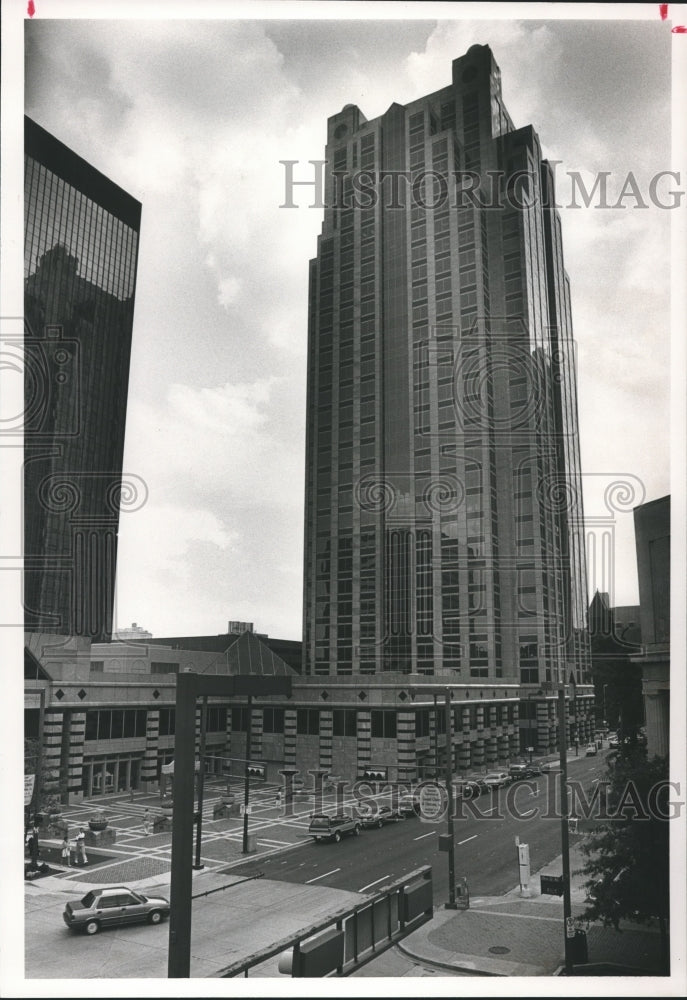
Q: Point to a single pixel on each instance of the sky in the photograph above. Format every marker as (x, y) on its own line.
(192, 118)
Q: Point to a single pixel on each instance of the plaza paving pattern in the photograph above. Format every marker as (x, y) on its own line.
(135, 855)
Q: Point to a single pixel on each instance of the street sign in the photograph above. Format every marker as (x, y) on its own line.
(256, 771)
(570, 927)
(29, 782)
(551, 885)
(246, 810)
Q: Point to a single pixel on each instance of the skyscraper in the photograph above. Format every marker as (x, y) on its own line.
(443, 526)
(80, 256)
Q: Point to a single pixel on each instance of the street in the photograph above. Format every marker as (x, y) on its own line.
(485, 845)
(314, 879)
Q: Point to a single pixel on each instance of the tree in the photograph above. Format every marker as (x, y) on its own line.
(628, 852)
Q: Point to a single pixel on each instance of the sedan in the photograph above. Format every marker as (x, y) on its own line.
(382, 815)
(591, 750)
(113, 906)
(497, 779)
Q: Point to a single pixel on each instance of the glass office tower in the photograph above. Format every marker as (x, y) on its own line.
(80, 255)
(443, 525)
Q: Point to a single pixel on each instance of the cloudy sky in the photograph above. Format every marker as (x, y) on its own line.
(192, 118)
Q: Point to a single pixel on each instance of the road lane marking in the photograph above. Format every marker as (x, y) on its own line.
(382, 879)
(430, 834)
(332, 872)
(473, 837)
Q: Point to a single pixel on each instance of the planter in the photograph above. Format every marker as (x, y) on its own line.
(228, 799)
(97, 825)
(167, 808)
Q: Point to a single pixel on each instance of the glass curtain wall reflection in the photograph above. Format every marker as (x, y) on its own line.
(80, 257)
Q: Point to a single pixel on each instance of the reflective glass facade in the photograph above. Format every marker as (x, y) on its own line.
(80, 255)
(443, 526)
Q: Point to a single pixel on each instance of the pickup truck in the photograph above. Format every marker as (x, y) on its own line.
(332, 827)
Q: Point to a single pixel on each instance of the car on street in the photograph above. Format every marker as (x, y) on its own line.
(469, 788)
(497, 779)
(591, 750)
(333, 827)
(522, 769)
(409, 804)
(379, 816)
(613, 743)
(550, 765)
(113, 906)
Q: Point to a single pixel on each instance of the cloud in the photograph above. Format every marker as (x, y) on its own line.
(193, 119)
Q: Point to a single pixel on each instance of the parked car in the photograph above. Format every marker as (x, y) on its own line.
(591, 750)
(333, 827)
(382, 815)
(550, 765)
(522, 769)
(112, 906)
(409, 804)
(469, 788)
(613, 743)
(497, 779)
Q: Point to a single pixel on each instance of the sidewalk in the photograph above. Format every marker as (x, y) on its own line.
(515, 936)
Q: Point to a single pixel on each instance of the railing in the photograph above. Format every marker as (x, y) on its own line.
(352, 935)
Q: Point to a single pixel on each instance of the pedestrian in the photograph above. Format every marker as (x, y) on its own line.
(131, 793)
(65, 852)
(146, 822)
(277, 800)
(34, 847)
(81, 856)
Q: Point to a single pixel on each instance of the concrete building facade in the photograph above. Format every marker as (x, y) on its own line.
(652, 540)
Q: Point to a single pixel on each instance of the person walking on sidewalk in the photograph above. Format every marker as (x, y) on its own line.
(65, 851)
(81, 856)
(146, 822)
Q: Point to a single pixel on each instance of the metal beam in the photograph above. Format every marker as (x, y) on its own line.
(191, 686)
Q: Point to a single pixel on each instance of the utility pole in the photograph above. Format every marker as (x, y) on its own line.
(565, 839)
(451, 905)
(201, 781)
(246, 782)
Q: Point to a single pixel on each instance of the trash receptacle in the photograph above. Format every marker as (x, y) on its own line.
(251, 843)
(580, 954)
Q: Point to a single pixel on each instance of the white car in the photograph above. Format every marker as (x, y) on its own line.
(497, 779)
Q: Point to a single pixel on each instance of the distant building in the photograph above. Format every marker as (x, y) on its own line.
(80, 256)
(133, 632)
(236, 628)
(615, 635)
(652, 540)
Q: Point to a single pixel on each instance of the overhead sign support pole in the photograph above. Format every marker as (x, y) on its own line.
(190, 687)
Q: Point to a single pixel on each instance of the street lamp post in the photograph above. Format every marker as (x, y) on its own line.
(246, 782)
(565, 836)
(605, 719)
(451, 904)
(201, 782)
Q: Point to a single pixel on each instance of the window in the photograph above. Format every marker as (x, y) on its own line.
(167, 721)
(164, 668)
(422, 723)
(97, 666)
(273, 720)
(308, 722)
(108, 724)
(216, 721)
(344, 722)
(239, 719)
(383, 724)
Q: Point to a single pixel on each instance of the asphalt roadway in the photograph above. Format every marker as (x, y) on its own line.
(485, 835)
(357, 866)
